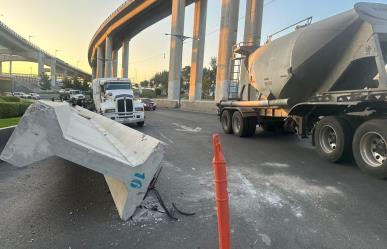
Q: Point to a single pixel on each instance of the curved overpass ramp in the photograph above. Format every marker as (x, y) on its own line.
(14, 47)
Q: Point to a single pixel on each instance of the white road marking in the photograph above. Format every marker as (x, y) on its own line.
(187, 128)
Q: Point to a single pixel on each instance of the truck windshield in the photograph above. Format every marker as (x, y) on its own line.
(118, 86)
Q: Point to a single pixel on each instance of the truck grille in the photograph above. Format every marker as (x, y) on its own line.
(124, 105)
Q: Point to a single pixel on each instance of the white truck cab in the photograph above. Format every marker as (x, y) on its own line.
(114, 98)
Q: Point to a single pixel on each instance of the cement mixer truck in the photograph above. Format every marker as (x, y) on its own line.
(325, 80)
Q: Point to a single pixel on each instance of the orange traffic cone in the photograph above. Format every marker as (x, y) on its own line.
(220, 178)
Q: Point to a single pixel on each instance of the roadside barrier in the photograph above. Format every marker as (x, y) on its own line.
(220, 179)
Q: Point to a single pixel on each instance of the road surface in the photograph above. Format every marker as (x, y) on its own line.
(282, 195)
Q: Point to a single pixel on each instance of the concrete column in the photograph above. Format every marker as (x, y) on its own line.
(10, 67)
(108, 57)
(227, 38)
(93, 72)
(40, 64)
(176, 50)
(1, 67)
(125, 59)
(252, 37)
(53, 72)
(115, 62)
(100, 61)
(199, 35)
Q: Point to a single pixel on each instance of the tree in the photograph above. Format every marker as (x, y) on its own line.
(185, 77)
(45, 83)
(161, 81)
(144, 83)
(67, 83)
(77, 84)
(209, 80)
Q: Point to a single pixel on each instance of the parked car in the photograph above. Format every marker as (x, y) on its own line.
(35, 96)
(18, 94)
(149, 104)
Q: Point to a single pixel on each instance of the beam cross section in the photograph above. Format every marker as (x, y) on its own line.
(227, 38)
(176, 50)
(199, 37)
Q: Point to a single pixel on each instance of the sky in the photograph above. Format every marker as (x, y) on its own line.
(69, 25)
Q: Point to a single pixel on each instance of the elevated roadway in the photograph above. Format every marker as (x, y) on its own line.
(136, 15)
(14, 47)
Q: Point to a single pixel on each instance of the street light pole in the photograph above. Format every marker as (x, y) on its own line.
(56, 51)
(29, 37)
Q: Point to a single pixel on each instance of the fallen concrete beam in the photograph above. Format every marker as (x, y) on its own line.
(127, 158)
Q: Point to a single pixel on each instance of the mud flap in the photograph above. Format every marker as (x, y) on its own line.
(127, 158)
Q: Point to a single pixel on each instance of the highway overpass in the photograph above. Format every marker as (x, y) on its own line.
(14, 47)
(136, 15)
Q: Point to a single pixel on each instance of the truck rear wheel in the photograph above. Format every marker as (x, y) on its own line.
(333, 138)
(243, 127)
(226, 121)
(370, 147)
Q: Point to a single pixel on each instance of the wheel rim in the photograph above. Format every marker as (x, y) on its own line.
(373, 149)
(328, 139)
(225, 122)
(236, 124)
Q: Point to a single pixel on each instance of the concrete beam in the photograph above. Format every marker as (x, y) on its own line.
(100, 61)
(125, 59)
(176, 50)
(127, 158)
(252, 36)
(227, 38)
(115, 62)
(199, 37)
(108, 57)
(53, 72)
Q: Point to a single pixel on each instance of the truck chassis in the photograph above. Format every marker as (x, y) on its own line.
(342, 124)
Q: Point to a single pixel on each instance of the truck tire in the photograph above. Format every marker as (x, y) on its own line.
(370, 148)
(333, 139)
(243, 127)
(226, 121)
(140, 124)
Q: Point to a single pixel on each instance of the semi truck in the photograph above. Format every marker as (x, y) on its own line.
(325, 80)
(114, 98)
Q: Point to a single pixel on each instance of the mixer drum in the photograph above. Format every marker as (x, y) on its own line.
(334, 54)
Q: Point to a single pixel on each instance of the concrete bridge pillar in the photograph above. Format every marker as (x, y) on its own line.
(93, 72)
(40, 64)
(100, 61)
(125, 58)
(1, 67)
(115, 62)
(10, 67)
(227, 38)
(176, 50)
(53, 72)
(252, 37)
(108, 57)
(199, 36)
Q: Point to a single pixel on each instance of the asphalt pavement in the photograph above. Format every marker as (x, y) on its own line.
(282, 195)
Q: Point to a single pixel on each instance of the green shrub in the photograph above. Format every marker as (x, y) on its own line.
(146, 93)
(9, 99)
(13, 109)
